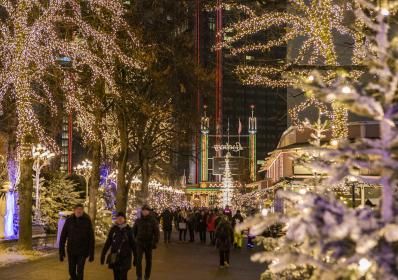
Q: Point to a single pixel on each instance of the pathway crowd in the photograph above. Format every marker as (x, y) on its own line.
(127, 246)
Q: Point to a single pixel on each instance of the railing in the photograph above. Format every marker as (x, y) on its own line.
(44, 242)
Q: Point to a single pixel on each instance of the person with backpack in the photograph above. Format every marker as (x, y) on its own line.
(121, 243)
(224, 240)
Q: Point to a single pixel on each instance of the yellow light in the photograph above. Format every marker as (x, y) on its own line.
(334, 142)
(385, 12)
(346, 90)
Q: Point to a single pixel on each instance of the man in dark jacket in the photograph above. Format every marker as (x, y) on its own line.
(167, 224)
(146, 233)
(78, 231)
(224, 239)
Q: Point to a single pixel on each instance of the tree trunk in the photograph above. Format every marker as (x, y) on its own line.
(145, 176)
(25, 190)
(95, 181)
(122, 188)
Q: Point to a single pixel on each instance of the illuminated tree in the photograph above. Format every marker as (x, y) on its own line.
(323, 237)
(36, 39)
(310, 29)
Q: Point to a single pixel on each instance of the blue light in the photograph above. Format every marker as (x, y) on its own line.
(65, 59)
(9, 218)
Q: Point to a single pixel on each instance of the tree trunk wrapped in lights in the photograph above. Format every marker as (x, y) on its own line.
(37, 39)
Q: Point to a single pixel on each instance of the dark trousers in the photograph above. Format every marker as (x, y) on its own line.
(202, 234)
(191, 235)
(167, 235)
(120, 274)
(183, 234)
(76, 266)
(224, 257)
(212, 237)
(141, 250)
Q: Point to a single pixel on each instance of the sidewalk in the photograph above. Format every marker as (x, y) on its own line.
(175, 261)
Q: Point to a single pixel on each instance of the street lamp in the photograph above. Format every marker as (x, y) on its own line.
(84, 169)
(41, 158)
(352, 182)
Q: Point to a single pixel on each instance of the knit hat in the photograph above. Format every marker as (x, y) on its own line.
(146, 207)
(79, 205)
(121, 214)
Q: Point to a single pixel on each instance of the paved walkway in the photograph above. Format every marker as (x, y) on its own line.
(175, 261)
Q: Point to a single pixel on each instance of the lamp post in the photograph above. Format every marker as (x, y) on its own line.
(84, 169)
(352, 181)
(41, 158)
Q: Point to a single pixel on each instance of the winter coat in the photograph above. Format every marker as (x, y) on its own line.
(146, 231)
(211, 223)
(79, 233)
(224, 236)
(120, 238)
(191, 222)
(202, 222)
(167, 218)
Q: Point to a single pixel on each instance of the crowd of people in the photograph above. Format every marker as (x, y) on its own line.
(215, 227)
(127, 246)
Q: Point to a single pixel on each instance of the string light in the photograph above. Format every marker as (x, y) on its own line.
(316, 23)
(29, 49)
(295, 111)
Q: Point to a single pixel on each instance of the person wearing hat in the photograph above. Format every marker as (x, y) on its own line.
(78, 233)
(120, 241)
(146, 234)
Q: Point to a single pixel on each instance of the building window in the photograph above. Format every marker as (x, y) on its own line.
(212, 23)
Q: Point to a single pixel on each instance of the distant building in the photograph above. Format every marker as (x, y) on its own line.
(281, 165)
(229, 102)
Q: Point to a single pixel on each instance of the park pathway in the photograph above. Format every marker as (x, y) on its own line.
(175, 261)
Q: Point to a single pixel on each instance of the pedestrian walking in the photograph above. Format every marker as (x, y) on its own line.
(211, 227)
(238, 235)
(167, 224)
(182, 225)
(202, 226)
(224, 240)
(146, 234)
(121, 243)
(191, 226)
(78, 233)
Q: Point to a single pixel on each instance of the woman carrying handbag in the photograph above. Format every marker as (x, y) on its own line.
(120, 241)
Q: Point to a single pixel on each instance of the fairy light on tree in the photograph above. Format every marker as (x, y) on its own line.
(318, 226)
(312, 27)
(33, 37)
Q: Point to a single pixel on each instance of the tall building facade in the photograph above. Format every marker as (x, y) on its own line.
(230, 103)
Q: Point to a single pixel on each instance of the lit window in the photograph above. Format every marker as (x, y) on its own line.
(212, 23)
